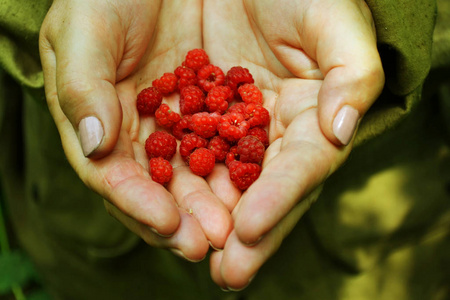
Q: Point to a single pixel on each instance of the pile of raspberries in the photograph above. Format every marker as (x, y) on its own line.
(222, 120)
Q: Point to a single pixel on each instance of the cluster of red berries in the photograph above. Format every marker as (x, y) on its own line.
(222, 120)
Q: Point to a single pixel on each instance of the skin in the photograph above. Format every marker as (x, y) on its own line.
(96, 65)
(97, 55)
(308, 67)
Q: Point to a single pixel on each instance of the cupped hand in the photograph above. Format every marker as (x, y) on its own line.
(318, 67)
(96, 57)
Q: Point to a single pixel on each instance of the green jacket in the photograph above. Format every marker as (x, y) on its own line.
(380, 229)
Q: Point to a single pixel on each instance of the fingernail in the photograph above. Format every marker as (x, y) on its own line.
(344, 124)
(159, 234)
(244, 287)
(251, 244)
(215, 248)
(179, 253)
(91, 134)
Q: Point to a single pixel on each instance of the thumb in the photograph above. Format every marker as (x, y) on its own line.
(85, 83)
(83, 60)
(353, 74)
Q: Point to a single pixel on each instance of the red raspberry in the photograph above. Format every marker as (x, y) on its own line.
(238, 107)
(161, 144)
(261, 134)
(250, 93)
(148, 100)
(233, 126)
(250, 150)
(237, 76)
(202, 161)
(232, 155)
(182, 127)
(244, 174)
(204, 124)
(189, 143)
(257, 115)
(192, 100)
(166, 84)
(166, 117)
(218, 98)
(160, 169)
(220, 147)
(186, 76)
(195, 59)
(210, 76)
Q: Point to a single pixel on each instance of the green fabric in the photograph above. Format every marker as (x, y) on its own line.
(404, 31)
(20, 21)
(380, 229)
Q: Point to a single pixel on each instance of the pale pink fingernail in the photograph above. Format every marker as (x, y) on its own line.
(344, 124)
(90, 131)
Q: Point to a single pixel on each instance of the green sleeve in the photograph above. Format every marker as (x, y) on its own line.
(405, 36)
(20, 22)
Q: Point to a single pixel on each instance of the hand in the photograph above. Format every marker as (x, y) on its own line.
(96, 56)
(319, 71)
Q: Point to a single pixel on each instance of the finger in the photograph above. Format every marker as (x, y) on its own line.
(235, 266)
(303, 160)
(120, 177)
(123, 181)
(221, 185)
(192, 193)
(347, 54)
(188, 241)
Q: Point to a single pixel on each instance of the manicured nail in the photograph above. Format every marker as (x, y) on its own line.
(91, 134)
(344, 124)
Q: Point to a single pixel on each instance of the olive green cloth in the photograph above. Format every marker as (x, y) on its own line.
(379, 230)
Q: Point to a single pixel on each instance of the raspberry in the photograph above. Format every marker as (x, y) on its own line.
(148, 100)
(195, 59)
(166, 84)
(232, 155)
(210, 76)
(237, 76)
(160, 169)
(218, 98)
(244, 174)
(189, 143)
(233, 126)
(202, 161)
(250, 93)
(186, 76)
(161, 144)
(192, 100)
(204, 124)
(257, 115)
(182, 127)
(238, 107)
(261, 134)
(250, 150)
(220, 147)
(166, 117)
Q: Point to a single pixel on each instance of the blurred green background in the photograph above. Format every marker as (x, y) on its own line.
(18, 277)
